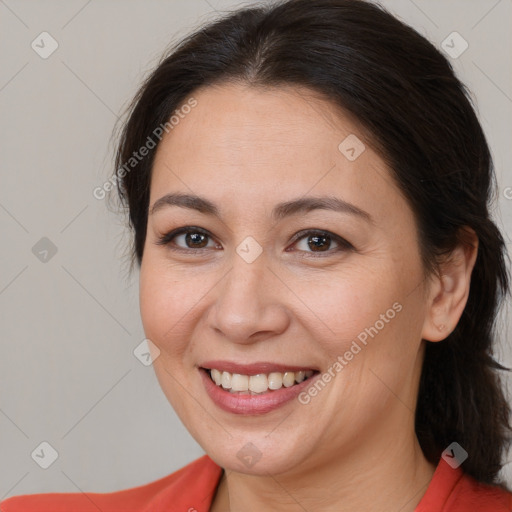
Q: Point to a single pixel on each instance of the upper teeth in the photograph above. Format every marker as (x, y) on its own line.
(258, 383)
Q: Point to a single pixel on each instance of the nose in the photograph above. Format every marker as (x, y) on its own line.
(248, 303)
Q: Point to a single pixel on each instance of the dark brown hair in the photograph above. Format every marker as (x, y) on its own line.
(420, 120)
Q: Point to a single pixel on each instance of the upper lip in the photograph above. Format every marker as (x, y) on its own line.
(253, 368)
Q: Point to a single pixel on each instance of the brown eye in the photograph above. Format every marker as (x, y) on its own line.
(196, 240)
(186, 238)
(320, 242)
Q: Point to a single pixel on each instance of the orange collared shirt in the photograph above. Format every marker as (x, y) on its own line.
(191, 489)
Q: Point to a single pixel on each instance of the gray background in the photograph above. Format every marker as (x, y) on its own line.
(69, 324)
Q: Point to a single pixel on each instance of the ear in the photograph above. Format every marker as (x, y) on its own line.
(448, 293)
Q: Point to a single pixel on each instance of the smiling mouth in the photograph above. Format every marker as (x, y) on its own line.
(258, 384)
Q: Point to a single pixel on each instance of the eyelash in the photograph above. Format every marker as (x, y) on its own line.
(343, 245)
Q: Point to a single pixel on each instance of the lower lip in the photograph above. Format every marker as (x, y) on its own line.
(252, 404)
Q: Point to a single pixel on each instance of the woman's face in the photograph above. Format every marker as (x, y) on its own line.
(346, 300)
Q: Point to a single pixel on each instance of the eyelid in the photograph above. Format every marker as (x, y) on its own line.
(343, 244)
(166, 238)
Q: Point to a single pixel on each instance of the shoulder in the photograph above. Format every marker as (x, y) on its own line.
(452, 490)
(191, 486)
(472, 495)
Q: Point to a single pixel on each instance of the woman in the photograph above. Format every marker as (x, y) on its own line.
(308, 189)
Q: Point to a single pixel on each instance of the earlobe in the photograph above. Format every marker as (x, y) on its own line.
(449, 291)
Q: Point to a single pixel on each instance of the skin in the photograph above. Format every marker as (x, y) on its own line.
(353, 447)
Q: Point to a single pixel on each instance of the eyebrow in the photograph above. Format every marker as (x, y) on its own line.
(280, 211)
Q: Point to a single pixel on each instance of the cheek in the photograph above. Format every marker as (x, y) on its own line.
(166, 304)
(369, 322)
(347, 305)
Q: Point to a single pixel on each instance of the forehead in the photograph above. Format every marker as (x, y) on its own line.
(240, 117)
(257, 144)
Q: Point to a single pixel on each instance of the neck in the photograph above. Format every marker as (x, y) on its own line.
(373, 477)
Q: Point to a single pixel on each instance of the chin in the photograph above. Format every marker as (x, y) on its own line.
(258, 454)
